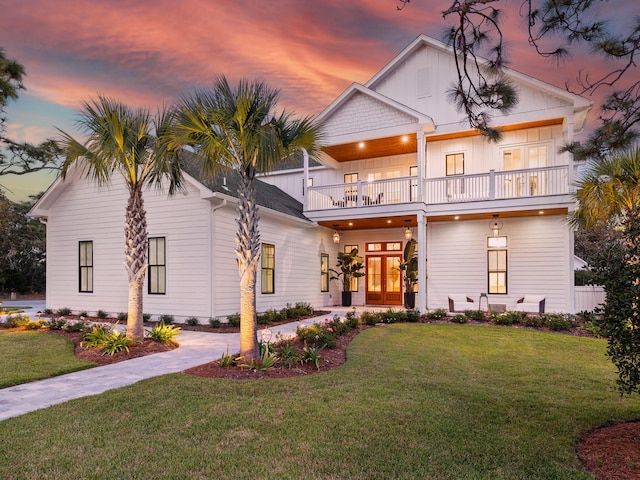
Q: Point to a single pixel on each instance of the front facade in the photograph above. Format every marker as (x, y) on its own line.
(398, 157)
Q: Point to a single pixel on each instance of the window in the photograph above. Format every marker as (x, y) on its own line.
(85, 255)
(351, 191)
(157, 266)
(354, 281)
(497, 264)
(455, 163)
(268, 268)
(324, 272)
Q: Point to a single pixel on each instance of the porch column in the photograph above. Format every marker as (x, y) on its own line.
(305, 182)
(421, 303)
(422, 164)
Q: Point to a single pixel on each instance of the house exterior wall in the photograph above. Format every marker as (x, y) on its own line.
(538, 255)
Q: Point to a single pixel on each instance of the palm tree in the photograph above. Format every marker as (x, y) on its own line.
(609, 189)
(122, 141)
(237, 129)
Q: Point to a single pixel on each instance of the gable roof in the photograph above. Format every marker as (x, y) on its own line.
(226, 181)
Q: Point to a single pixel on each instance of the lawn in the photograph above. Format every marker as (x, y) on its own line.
(413, 401)
(26, 356)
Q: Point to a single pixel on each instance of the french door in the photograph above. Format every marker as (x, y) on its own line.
(384, 280)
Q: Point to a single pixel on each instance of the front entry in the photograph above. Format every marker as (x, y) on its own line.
(384, 280)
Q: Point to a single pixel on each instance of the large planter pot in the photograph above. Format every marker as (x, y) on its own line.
(346, 299)
(410, 299)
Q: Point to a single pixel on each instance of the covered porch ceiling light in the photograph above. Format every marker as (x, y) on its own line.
(408, 234)
(336, 234)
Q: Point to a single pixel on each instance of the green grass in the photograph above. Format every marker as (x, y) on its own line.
(27, 356)
(11, 309)
(415, 401)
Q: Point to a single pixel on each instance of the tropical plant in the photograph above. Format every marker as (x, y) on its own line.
(237, 129)
(163, 333)
(129, 143)
(409, 265)
(349, 266)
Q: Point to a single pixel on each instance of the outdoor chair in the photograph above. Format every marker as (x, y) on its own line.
(530, 304)
(460, 303)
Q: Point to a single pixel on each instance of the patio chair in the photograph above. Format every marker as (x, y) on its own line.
(530, 304)
(460, 303)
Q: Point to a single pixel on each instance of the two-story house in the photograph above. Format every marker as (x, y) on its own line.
(399, 161)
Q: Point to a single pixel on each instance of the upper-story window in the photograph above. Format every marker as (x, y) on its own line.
(455, 163)
(520, 157)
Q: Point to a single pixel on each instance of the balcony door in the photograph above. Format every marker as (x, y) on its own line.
(383, 277)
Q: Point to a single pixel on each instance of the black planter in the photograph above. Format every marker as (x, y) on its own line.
(410, 299)
(346, 299)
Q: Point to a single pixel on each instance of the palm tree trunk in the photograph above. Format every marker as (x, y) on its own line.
(135, 250)
(248, 254)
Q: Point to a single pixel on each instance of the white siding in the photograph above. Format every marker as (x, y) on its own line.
(538, 261)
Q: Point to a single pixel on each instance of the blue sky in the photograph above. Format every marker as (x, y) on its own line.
(145, 52)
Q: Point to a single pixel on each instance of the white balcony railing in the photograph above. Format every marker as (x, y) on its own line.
(460, 188)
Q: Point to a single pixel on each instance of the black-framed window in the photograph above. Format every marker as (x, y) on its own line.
(85, 266)
(324, 272)
(455, 163)
(157, 270)
(268, 261)
(497, 265)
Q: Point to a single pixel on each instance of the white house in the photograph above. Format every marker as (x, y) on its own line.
(398, 156)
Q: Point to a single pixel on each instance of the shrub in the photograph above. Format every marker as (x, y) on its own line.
(193, 321)
(75, 326)
(370, 318)
(351, 320)
(507, 318)
(300, 309)
(15, 321)
(163, 333)
(594, 328)
(214, 322)
(63, 311)
(533, 320)
(122, 316)
(83, 313)
(96, 337)
(477, 315)
(459, 318)
(166, 319)
(102, 314)
(336, 326)
(234, 320)
(146, 317)
(270, 316)
(436, 314)
(317, 335)
(56, 323)
(558, 322)
(393, 316)
(47, 311)
(413, 315)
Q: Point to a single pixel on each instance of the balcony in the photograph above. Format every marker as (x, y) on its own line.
(454, 189)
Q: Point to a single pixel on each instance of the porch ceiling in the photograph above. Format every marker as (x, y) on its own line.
(378, 147)
(507, 214)
(369, 223)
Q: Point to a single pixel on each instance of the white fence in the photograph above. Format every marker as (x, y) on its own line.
(588, 297)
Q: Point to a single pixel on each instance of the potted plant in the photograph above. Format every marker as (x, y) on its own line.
(349, 266)
(409, 266)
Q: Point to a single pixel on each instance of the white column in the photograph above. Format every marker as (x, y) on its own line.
(305, 181)
(421, 303)
(422, 163)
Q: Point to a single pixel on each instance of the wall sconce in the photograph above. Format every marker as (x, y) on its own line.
(495, 225)
(408, 233)
(336, 234)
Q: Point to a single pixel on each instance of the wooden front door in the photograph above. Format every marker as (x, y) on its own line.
(384, 280)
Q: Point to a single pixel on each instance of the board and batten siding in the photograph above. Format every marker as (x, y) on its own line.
(86, 212)
(537, 258)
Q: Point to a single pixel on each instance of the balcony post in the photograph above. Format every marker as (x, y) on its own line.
(359, 203)
(492, 184)
(422, 156)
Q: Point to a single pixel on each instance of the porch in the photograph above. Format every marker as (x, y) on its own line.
(511, 184)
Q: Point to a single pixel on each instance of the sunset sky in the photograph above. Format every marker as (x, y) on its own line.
(145, 53)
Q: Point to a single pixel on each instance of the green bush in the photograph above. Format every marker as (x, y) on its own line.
(288, 354)
(15, 321)
(351, 319)
(146, 317)
(393, 316)
(193, 321)
(317, 335)
(300, 309)
(507, 318)
(215, 322)
(47, 311)
(114, 343)
(63, 311)
(96, 337)
(477, 315)
(459, 318)
(102, 314)
(83, 313)
(55, 323)
(412, 315)
(558, 322)
(271, 316)
(370, 318)
(436, 314)
(234, 320)
(122, 316)
(163, 333)
(532, 320)
(75, 326)
(166, 319)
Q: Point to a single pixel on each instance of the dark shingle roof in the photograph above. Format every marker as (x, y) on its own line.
(226, 181)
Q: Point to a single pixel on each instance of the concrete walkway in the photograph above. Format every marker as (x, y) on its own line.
(196, 348)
